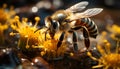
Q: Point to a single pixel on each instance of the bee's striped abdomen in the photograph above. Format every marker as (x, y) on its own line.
(91, 26)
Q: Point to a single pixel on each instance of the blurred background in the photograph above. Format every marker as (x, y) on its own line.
(43, 8)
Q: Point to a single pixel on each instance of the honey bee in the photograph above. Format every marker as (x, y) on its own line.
(73, 19)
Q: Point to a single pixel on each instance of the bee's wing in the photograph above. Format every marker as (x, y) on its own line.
(78, 7)
(87, 13)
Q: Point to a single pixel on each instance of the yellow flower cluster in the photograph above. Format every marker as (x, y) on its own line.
(28, 36)
(6, 14)
(29, 39)
(115, 32)
(51, 50)
(5, 18)
(108, 59)
(114, 29)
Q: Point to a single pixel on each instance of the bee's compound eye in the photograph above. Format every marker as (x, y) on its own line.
(55, 25)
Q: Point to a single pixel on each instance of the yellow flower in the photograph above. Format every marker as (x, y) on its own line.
(30, 40)
(28, 36)
(115, 31)
(108, 59)
(5, 16)
(50, 47)
(5, 19)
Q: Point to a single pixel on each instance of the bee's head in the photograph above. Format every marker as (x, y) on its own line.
(54, 24)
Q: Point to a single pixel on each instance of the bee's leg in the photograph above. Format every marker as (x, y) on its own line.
(52, 35)
(86, 36)
(75, 45)
(60, 40)
(43, 27)
(45, 35)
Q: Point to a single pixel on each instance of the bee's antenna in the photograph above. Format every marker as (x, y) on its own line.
(40, 28)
